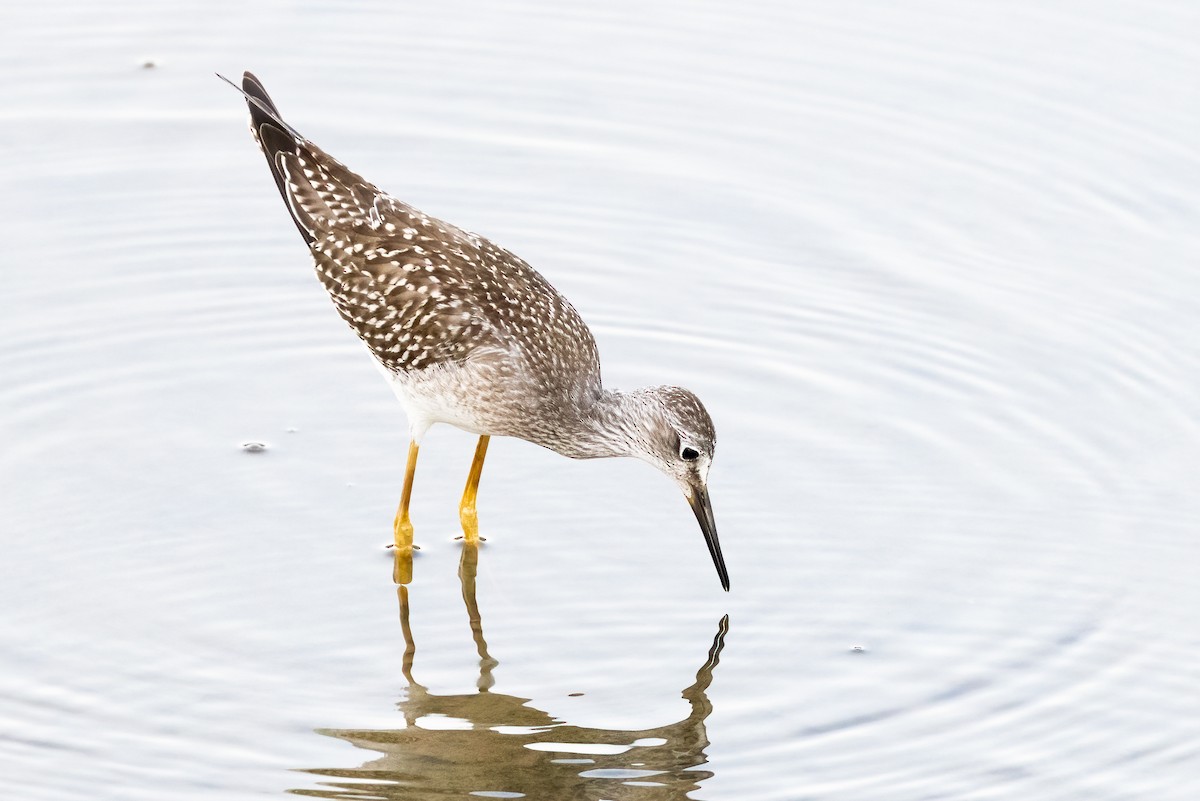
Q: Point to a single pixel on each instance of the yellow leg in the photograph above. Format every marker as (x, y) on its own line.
(403, 526)
(466, 509)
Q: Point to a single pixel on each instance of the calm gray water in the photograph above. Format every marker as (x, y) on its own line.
(931, 265)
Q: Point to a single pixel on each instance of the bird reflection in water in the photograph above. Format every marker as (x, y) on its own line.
(500, 747)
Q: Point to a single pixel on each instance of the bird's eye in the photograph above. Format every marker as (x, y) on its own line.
(689, 454)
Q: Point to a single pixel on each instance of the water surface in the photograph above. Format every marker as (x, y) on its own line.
(931, 268)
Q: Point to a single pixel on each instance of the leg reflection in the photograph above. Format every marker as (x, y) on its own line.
(467, 566)
(402, 567)
(410, 647)
(484, 741)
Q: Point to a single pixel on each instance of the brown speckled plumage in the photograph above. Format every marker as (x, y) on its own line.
(465, 331)
(423, 294)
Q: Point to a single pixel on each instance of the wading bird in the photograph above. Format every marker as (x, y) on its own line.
(468, 334)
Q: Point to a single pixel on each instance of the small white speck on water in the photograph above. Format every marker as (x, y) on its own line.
(858, 649)
(292, 429)
(254, 447)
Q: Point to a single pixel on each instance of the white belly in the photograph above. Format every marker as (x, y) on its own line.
(435, 396)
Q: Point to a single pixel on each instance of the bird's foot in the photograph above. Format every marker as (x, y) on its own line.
(402, 550)
(402, 540)
(470, 525)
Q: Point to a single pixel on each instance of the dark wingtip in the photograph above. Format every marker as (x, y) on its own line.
(252, 86)
(274, 136)
(262, 108)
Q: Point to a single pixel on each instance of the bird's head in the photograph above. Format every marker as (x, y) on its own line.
(670, 428)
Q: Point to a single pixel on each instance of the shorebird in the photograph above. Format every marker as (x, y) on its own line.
(466, 333)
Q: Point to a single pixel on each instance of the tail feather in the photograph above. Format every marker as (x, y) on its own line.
(273, 135)
(319, 191)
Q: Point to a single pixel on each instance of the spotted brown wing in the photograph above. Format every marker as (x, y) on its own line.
(417, 290)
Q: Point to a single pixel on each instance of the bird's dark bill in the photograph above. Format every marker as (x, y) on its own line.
(702, 506)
